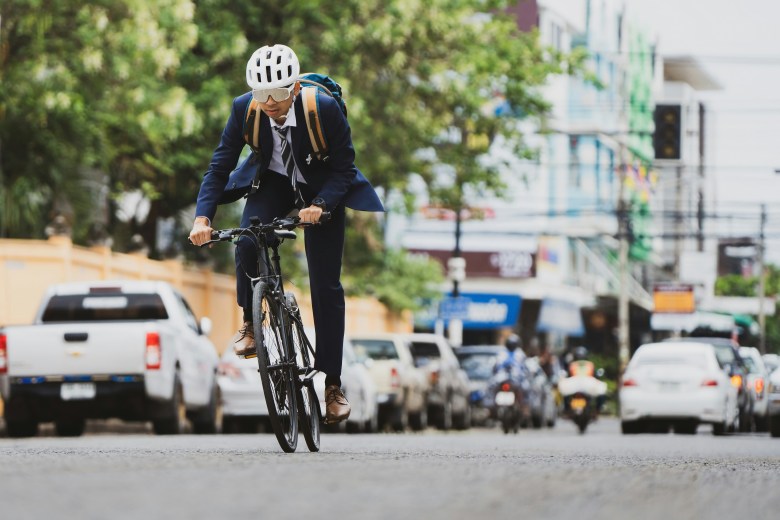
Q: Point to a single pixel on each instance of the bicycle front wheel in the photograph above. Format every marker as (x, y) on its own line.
(308, 404)
(277, 366)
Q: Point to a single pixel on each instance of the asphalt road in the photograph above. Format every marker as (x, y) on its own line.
(475, 474)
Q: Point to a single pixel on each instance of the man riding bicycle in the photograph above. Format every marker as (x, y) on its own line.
(287, 175)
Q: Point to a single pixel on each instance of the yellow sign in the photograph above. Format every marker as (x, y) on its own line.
(674, 298)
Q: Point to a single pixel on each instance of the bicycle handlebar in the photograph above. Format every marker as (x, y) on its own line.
(289, 223)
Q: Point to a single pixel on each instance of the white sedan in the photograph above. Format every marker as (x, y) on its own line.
(243, 403)
(773, 389)
(679, 384)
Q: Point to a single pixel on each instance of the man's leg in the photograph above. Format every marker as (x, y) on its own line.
(324, 249)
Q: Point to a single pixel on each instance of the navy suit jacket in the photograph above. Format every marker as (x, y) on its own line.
(336, 180)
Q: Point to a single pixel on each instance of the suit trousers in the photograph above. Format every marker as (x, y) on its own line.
(324, 245)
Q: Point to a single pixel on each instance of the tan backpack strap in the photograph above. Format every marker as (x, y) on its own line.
(252, 126)
(313, 122)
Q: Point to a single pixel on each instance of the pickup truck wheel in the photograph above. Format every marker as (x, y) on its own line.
(70, 427)
(463, 420)
(209, 420)
(174, 419)
(445, 416)
(21, 428)
(400, 420)
(419, 420)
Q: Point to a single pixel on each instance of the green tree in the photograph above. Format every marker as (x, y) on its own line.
(737, 285)
(133, 94)
(87, 93)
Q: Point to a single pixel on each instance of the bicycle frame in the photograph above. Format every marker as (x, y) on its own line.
(298, 352)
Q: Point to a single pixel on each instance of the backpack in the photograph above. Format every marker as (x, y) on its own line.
(311, 108)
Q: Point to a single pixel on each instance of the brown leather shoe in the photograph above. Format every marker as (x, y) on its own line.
(244, 341)
(336, 405)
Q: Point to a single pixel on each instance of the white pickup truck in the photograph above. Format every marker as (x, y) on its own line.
(126, 349)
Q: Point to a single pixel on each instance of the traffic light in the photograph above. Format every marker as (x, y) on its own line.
(668, 129)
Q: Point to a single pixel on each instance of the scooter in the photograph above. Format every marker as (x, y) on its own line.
(583, 395)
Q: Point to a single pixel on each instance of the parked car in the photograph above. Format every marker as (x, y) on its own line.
(478, 362)
(243, 403)
(758, 377)
(681, 384)
(448, 385)
(727, 352)
(773, 389)
(771, 361)
(133, 350)
(358, 387)
(544, 410)
(400, 385)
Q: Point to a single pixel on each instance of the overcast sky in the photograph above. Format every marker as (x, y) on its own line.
(738, 44)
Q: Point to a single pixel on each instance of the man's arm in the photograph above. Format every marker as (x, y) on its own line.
(223, 161)
(341, 161)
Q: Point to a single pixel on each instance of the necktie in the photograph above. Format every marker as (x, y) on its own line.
(290, 166)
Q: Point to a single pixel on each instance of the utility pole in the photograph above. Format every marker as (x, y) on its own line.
(700, 202)
(623, 302)
(762, 283)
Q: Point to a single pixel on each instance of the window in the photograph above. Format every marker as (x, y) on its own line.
(425, 349)
(374, 349)
(105, 307)
(479, 367)
(189, 316)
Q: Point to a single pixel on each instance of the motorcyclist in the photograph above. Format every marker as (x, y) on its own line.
(581, 366)
(512, 360)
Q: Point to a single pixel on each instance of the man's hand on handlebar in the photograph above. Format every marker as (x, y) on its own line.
(310, 215)
(201, 231)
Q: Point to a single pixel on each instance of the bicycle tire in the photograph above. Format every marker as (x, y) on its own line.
(309, 413)
(277, 376)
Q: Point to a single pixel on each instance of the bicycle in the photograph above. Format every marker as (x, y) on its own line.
(284, 353)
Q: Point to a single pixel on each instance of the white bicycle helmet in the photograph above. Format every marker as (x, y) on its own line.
(272, 67)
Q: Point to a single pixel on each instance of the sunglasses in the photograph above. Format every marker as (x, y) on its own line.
(277, 94)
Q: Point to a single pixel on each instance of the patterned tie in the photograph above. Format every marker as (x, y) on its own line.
(290, 166)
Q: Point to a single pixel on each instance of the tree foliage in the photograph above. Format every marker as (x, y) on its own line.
(131, 95)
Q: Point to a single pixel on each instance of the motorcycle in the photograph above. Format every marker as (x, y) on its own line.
(583, 394)
(510, 404)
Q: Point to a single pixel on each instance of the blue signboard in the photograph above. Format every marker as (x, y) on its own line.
(475, 310)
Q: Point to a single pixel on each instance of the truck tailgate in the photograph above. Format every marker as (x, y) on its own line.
(76, 349)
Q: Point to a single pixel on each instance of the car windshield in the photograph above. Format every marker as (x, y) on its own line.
(374, 349)
(751, 364)
(693, 358)
(725, 355)
(104, 307)
(425, 349)
(478, 367)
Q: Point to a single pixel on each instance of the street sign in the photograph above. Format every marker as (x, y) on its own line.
(454, 308)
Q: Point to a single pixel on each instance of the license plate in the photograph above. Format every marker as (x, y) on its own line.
(505, 398)
(668, 386)
(73, 391)
(578, 403)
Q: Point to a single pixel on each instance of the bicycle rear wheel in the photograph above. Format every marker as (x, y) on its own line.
(277, 366)
(308, 405)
